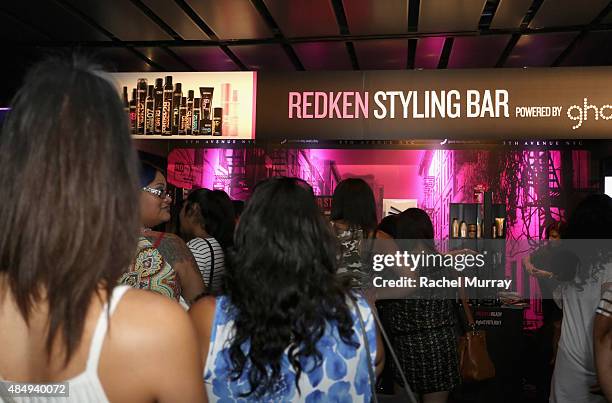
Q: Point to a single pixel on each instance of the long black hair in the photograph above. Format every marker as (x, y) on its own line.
(415, 229)
(588, 239)
(388, 225)
(282, 281)
(70, 219)
(216, 214)
(353, 202)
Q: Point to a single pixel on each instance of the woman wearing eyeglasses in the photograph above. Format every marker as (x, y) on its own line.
(163, 264)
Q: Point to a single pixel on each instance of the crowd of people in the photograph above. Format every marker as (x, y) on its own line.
(262, 304)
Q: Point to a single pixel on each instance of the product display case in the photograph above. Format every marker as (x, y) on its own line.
(480, 227)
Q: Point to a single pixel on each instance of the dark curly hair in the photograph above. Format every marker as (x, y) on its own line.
(282, 282)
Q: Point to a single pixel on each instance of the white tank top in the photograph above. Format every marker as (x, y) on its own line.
(86, 386)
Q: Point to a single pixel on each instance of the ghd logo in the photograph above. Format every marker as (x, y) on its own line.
(580, 114)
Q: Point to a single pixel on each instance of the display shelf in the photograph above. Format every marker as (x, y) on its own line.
(184, 137)
(483, 214)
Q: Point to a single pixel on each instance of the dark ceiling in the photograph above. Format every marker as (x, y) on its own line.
(225, 35)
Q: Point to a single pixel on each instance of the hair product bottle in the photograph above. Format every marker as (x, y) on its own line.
(183, 116)
(176, 108)
(126, 101)
(149, 111)
(195, 126)
(233, 115)
(217, 125)
(463, 229)
(189, 113)
(499, 223)
(206, 93)
(471, 231)
(226, 99)
(133, 112)
(158, 102)
(455, 228)
(167, 107)
(140, 105)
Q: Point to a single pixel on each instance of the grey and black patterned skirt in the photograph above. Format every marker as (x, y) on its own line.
(429, 359)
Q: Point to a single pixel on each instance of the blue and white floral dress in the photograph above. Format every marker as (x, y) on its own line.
(342, 376)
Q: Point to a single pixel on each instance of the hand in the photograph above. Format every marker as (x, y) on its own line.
(541, 273)
(531, 269)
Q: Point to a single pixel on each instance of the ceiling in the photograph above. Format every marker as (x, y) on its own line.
(287, 35)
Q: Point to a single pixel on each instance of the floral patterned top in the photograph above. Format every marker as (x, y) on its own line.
(151, 271)
(343, 375)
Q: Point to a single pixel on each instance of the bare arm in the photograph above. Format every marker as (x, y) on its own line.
(602, 343)
(182, 261)
(534, 271)
(161, 356)
(202, 314)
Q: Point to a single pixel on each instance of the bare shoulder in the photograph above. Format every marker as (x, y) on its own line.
(149, 335)
(148, 320)
(203, 310)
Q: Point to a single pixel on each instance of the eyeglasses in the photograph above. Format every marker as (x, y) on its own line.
(162, 194)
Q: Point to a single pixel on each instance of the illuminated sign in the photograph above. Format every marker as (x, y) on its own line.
(215, 104)
(559, 103)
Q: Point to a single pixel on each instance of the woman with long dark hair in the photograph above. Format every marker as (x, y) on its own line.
(353, 218)
(288, 328)
(163, 262)
(69, 229)
(421, 326)
(207, 222)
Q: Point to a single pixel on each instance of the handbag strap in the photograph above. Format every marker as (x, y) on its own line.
(367, 347)
(468, 313)
(212, 263)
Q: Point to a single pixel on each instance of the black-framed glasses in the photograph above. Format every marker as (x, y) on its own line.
(160, 193)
